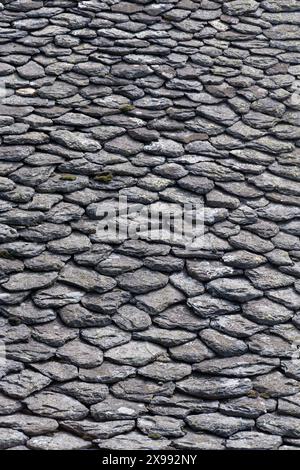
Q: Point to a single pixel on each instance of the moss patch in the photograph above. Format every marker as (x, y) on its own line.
(14, 321)
(104, 177)
(5, 254)
(154, 435)
(126, 108)
(68, 177)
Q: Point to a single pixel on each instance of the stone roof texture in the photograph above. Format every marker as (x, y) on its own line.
(137, 344)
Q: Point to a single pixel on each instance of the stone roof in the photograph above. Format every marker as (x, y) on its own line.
(138, 343)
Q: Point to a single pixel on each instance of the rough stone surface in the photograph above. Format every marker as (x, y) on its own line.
(139, 338)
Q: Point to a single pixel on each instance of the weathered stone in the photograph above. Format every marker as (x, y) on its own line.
(58, 441)
(166, 338)
(142, 281)
(106, 373)
(204, 387)
(207, 306)
(141, 391)
(253, 440)
(243, 366)
(165, 371)
(10, 438)
(86, 393)
(135, 353)
(57, 295)
(218, 424)
(156, 302)
(28, 313)
(57, 406)
(222, 344)
(276, 385)
(130, 318)
(160, 426)
(92, 430)
(280, 425)
(23, 384)
(134, 441)
(8, 405)
(236, 325)
(80, 354)
(30, 425)
(115, 409)
(57, 371)
(86, 279)
(247, 407)
(28, 280)
(106, 337)
(265, 277)
(235, 289)
(179, 316)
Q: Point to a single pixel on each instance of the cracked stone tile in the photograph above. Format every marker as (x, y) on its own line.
(235, 289)
(106, 337)
(130, 318)
(30, 425)
(287, 426)
(191, 351)
(28, 313)
(95, 431)
(219, 424)
(106, 303)
(80, 317)
(269, 345)
(58, 441)
(8, 405)
(57, 295)
(276, 385)
(134, 441)
(80, 354)
(107, 373)
(31, 351)
(86, 279)
(289, 405)
(179, 316)
(156, 302)
(28, 280)
(55, 405)
(53, 333)
(57, 371)
(209, 270)
(253, 440)
(23, 384)
(140, 390)
(198, 441)
(117, 409)
(135, 353)
(247, 407)
(165, 371)
(236, 325)
(160, 426)
(207, 306)
(167, 338)
(87, 393)
(241, 366)
(10, 438)
(220, 387)
(142, 281)
(222, 344)
(266, 312)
